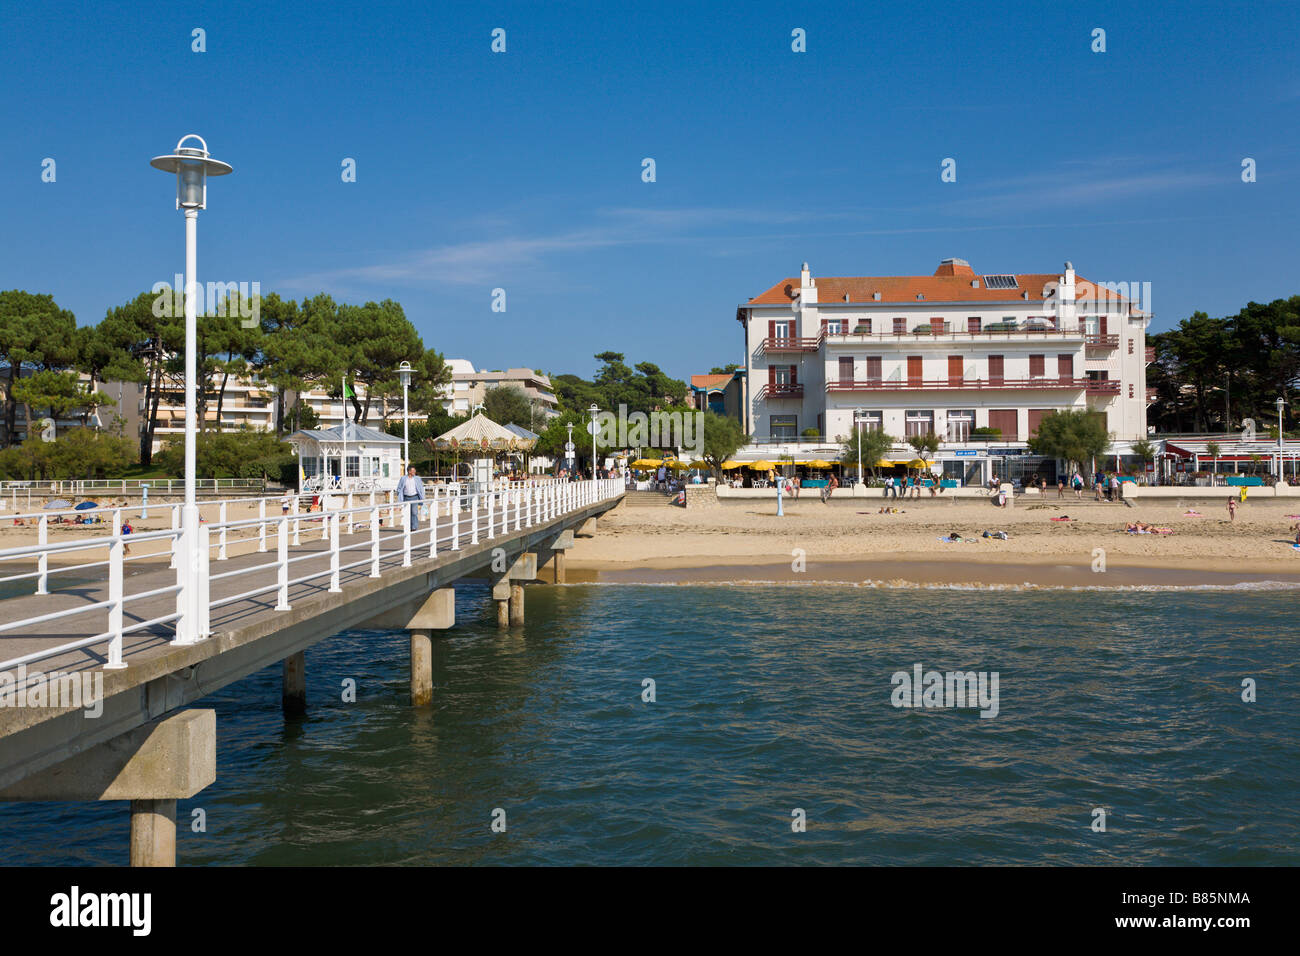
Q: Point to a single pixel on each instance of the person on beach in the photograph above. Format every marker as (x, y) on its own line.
(1096, 485)
(1060, 486)
(411, 489)
(286, 503)
(127, 529)
(1232, 509)
(1077, 482)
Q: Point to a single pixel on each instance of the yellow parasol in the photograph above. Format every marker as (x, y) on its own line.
(820, 464)
(916, 463)
(728, 465)
(647, 463)
(761, 466)
(677, 464)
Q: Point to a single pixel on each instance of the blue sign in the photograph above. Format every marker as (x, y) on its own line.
(1009, 452)
(967, 453)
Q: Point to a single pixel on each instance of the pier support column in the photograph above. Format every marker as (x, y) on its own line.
(421, 667)
(293, 694)
(557, 567)
(516, 605)
(153, 832)
(152, 766)
(501, 597)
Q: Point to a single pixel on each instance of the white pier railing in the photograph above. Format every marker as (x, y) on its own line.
(359, 530)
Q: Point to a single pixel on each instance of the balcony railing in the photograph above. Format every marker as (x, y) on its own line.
(1103, 386)
(1101, 341)
(780, 391)
(1150, 354)
(956, 330)
(791, 345)
(952, 384)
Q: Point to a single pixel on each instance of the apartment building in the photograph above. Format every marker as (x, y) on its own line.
(469, 387)
(946, 353)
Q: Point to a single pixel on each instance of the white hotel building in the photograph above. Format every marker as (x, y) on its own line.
(946, 353)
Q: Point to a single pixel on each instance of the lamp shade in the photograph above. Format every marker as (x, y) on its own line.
(192, 165)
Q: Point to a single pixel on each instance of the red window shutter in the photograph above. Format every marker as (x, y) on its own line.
(973, 324)
(1037, 366)
(846, 368)
(771, 375)
(1101, 324)
(936, 325)
(825, 322)
(914, 369)
(996, 369)
(955, 370)
(1004, 419)
(1065, 367)
(771, 328)
(873, 368)
(794, 375)
(1036, 419)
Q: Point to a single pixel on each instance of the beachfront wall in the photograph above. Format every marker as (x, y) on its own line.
(947, 353)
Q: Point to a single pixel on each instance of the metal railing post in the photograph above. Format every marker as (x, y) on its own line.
(490, 515)
(334, 554)
(43, 562)
(204, 599)
(261, 527)
(221, 539)
(374, 542)
(349, 512)
(473, 519)
(282, 560)
(406, 535)
(116, 550)
(297, 523)
(433, 525)
(175, 539)
(454, 502)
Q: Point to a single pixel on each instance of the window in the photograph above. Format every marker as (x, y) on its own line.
(919, 423)
(846, 368)
(973, 324)
(1036, 419)
(783, 426)
(960, 423)
(870, 419)
(873, 368)
(1037, 366)
(955, 370)
(900, 325)
(1005, 420)
(914, 370)
(781, 329)
(834, 326)
(311, 466)
(782, 374)
(1065, 368)
(997, 366)
(353, 467)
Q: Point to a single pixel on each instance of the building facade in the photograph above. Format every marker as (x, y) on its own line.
(469, 387)
(948, 353)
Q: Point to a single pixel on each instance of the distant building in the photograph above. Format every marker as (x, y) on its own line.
(721, 393)
(468, 388)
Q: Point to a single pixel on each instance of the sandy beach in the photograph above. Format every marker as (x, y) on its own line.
(849, 540)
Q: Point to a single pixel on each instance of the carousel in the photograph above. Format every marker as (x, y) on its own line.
(477, 443)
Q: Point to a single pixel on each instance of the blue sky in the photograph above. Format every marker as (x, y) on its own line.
(522, 170)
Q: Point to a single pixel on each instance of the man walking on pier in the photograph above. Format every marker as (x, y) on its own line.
(411, 489)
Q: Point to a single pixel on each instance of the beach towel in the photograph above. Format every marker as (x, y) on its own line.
(1192, 514)
(1062, 518)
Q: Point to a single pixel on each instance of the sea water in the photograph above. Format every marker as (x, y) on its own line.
(757, 724)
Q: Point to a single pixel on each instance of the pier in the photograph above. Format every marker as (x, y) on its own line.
(98, 679)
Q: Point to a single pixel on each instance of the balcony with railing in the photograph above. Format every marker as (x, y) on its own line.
(1102, 386)
(788, 344)
(1099, 342)
(998, 332)
(1150, 354)
(961, 384)
(782, 390)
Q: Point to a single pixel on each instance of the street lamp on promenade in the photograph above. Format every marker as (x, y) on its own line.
(594, 412)
(1281, 446)
(191, 165)
(404, 373)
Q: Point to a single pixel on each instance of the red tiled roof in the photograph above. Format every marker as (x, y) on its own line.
(710, 381)
(952, 283)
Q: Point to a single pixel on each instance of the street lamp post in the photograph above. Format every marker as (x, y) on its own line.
(568, 449)
(192, 165)
(404, 373)
(594, 412)
(1281, 446)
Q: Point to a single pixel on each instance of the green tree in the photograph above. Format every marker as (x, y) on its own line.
(508, 405)
(722, 436)
(1076, 435)
(152, 340)
(234, 454)
(1214, 449)
(875, 446)
(35, 334)
(925, 447)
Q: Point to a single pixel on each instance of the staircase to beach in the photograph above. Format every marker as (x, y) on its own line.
(644, 499)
